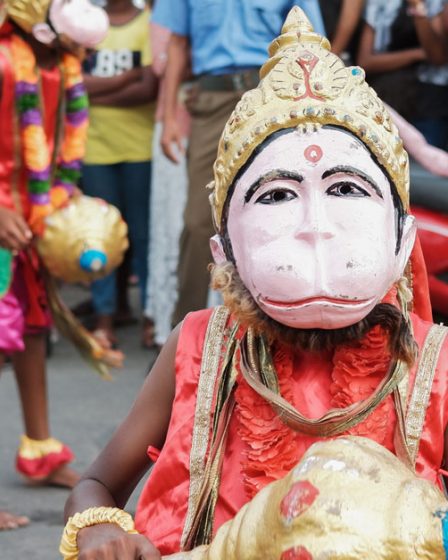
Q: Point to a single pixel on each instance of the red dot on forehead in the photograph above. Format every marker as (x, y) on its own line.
(313, 153)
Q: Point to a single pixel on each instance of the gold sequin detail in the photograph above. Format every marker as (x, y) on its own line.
(203, 413)
(415, 418)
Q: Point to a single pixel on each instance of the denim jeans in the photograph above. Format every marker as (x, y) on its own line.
(127, 186)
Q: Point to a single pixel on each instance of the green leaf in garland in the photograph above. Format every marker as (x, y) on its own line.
(77, 104)
(68, 175)
(5, 271)
(27, 101)
(38, 187)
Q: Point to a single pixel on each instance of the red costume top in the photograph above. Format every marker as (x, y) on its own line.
(163, 509)
(13, 185)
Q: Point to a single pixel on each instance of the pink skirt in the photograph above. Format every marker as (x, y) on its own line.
(24, 309)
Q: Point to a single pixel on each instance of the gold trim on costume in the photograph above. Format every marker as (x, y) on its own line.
(203, 413)
(336, 420)
(415, 418)
(400, 442)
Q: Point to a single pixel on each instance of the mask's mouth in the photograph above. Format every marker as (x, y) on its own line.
(325, 300)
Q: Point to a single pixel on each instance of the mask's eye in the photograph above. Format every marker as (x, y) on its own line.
(347, 188)
(276, 196)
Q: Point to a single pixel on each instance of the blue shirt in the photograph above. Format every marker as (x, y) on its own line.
(228, 35)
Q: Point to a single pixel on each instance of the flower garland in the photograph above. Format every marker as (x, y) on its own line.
(48, 191)
(271, 447)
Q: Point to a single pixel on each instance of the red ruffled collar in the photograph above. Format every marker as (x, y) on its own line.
(271, 447)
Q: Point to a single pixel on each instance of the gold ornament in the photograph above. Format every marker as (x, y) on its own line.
(349, 498)
(84, 240)
(32, 449)
(304, 85)
(89, 517)
(26, 13)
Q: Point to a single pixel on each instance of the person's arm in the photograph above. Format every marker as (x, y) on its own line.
(384, 62)
(160, 37)
(136, 93)
(348, 21)
(176, 68)
(429, 157)
(97, 85)
(110, 480)
(429, 32)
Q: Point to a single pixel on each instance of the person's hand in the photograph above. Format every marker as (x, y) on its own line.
(107, 541)
(132, 75)
(172, 137)
(15, 234)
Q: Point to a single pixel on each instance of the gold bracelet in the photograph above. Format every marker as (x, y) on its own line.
(92, 516)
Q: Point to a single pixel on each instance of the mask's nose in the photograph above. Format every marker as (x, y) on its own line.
(315, 225)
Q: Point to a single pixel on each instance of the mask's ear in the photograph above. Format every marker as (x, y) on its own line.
(407, 244)
(43, 33)
(217, 249)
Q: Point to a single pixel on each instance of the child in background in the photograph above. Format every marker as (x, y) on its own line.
(37, 72)
(121, 87)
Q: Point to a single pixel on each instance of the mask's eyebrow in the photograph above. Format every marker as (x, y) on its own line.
(349, 170)
(271, 176)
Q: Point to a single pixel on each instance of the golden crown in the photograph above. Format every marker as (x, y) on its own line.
(304, 84)
(26, 13)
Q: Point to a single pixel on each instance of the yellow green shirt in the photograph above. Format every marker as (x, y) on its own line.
(118, 134)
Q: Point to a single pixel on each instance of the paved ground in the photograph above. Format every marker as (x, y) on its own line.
(84, 412)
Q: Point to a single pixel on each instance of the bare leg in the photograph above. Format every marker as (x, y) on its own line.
(30, 370)
(29, 367)
(8, 520)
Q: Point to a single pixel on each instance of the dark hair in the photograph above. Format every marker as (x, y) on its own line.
(400, 212)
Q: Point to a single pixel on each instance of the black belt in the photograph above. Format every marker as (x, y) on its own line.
(240, 81)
